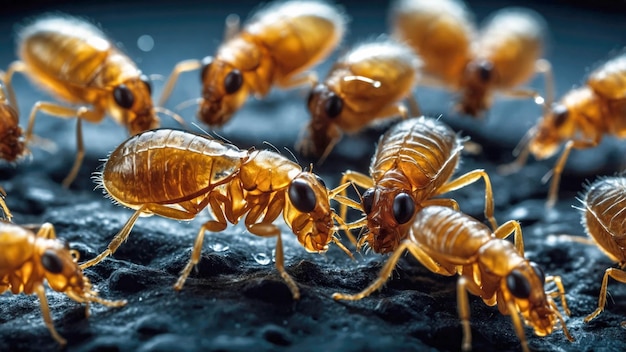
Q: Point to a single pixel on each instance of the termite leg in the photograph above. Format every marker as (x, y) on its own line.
(45, 312)
(616, 274)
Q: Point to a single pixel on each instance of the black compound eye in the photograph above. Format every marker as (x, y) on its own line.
(319, 179)
(368, 200)
(539, 272)
(302, 196)
(517, 284)
(403, 208)
(146, 81)
(206, 66)
(560, 113)
(233, 81)
(123, 96)
(51, 262)
(333, 105)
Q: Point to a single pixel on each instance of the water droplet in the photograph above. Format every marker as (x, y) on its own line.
(262, 258)
(219, 246)
(145, 43)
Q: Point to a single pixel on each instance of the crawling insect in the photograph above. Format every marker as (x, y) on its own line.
(74, 61)
(27, 259)
(177, 174)
(413, 163)
(603, 218)
(12, 144)
(504, 55)
(368, 83)
(448, 242)
(3, 205)
(276, 45)
(578, 120)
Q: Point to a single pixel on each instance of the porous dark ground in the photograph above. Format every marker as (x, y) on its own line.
(235, 300)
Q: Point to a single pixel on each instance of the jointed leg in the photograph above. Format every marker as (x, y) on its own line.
(270, 230)
(560, 164)
(80, 154)
(506, 229)
(518, 326)
(116, 241)
(16, 66)
(618, 275)
(213, 226)
(45, 312)
(560, 292)
(463, 286)
(358, 179)
(469, 178)
(387, 269)
(57, 110)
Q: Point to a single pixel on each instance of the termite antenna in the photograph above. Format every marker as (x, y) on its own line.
(293, 156)
(272, 146)
(188, 103)
(171, 114)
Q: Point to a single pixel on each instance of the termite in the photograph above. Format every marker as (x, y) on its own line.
(12, 144)
(177, 174)
(75, 62)
(276, 46)
(603, 218)
(579, 120)
(368, 83)
(413, 163)
(27, 260)
(503, 55)
(448, 242)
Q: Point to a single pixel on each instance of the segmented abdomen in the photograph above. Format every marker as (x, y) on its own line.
(425, 150)
(168, 166)
(64, 54)
(297, 33)
(449, 233)
(605, 215)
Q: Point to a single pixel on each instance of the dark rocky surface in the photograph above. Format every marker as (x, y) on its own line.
(235, 300)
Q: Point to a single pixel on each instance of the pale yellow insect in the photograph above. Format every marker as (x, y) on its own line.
(178, 174)
(275, 47)
(504, 54)
(604, 219)
(368, 83)
(27, 260)
(579, 120)
(75, 62)
(448, 242)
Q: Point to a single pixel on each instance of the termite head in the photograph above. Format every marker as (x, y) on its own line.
(389, 221)
(12, 143)
(224, 91)
(321, 133)
(308, 212)
(552, 130)
(524, 288)
(131, 103)
(475, 85)
(59, 267)
(578, 115)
